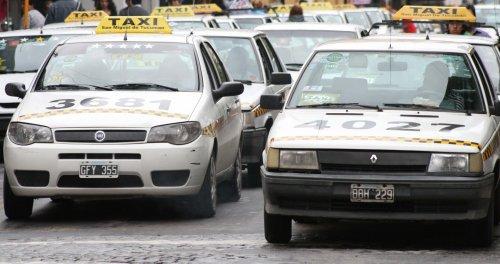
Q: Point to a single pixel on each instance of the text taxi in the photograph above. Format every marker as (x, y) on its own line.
(114, 115)
(405, 130)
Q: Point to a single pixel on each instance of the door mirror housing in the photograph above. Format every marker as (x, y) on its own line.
(496, 108)
(271, 101)
(228, 89)
(281, 78)
(364, 33)
(15, 90)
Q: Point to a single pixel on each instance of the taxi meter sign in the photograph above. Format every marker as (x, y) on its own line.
(205, 8)
(78, 16)
(280, 9)
(133, 24)
(434, 13)
(317, 6)
(173, 11)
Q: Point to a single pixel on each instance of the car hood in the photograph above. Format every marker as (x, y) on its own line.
(25, 78)
(104, 109)
(387, 130)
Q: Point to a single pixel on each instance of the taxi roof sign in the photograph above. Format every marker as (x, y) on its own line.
(280, 9)
(443, 13)
(173, 11)
(133, 24)
(205, 8)
(78, 16)
(317, 6)
(344, 6)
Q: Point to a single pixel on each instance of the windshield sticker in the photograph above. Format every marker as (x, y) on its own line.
(313, 88)
(335, 57)
(308, 98)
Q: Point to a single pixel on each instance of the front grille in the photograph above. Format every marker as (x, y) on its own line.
(32, 178)
(123, 181)
(111, 136)
(9, 105)
(359, 161)
(79, 156)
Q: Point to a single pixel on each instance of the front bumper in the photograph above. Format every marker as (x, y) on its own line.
(416, 197)
(254, 141)
(137, 180)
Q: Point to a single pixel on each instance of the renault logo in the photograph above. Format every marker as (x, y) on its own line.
(373, 159)
(100, 136)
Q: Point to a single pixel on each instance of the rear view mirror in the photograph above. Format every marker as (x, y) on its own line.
(271, 101)
(364, 33)
(228, 89)
(15, 90)
(392, 66)
(281, 78)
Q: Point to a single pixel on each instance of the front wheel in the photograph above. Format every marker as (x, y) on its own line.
(482, 235)
(277, 228)
(235, 184)
(15, 207)
(205, 202)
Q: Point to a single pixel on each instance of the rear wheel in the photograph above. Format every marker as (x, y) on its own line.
(235, 184)
(15, 207)
(205, 202)
(277, 228)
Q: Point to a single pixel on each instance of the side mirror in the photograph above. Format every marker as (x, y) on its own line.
(364, 33)
(271, 101)
(15, 90)
(281, 78)
(496, 108)
(228, 89)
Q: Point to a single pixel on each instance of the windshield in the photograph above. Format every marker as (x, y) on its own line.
(249, 23)
(180, 25)
(307, 18)
(26, 53)
(331, 18)
(407, 80)
(375, 16)
(224, 25)
(357, 18)
(302, 42)
(490, 60)
(489, 16)
(241, 56)
(117, 64)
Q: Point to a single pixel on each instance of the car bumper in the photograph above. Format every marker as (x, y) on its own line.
(178, 170)
(254, 141)
(416, 197)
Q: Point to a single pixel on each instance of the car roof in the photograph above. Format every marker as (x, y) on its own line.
(167, 38)
(475, 40)
(489, 6)
(309, 26)
(42, 32)
(408, 45)
(237, 33)
(191, 18)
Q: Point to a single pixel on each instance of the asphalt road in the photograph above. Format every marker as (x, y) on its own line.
(157, 231)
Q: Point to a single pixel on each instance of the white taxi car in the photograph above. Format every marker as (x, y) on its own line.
(385, 130)
(114, 115)
(250, 21)
(250, 58)
(21, 55)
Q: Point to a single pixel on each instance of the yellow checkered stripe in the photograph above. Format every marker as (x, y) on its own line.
(103, 111)
(259, 111)
(490, 149)
(384, 138)
(211, 128)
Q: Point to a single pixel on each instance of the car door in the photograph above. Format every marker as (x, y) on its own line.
(231, 122)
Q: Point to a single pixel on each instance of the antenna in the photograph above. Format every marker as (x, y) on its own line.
(390, 37)
(41, 30)
(125, 37)
(427, 32)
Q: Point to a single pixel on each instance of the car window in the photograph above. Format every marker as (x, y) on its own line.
(268, 68)
(357, 18)
(331, 18)
(375, 16)
(110, 64)
(210, 68)
(249, 23)
(240, 57)
(428, 80)
(186, 25)
(219, 66)
(225, 25)
(489, 58)
(14, 52)
(272, 54)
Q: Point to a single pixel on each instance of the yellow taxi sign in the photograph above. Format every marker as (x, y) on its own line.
(344, 6)
(280, 9)
(205, 8)
(133, 24)
(444, 13)
(78, 16)
(317, 6)
(173, 11)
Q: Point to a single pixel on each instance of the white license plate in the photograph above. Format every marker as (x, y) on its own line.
(98, 169)
(372, 193)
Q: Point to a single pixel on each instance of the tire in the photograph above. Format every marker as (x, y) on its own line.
(15, 207)
(253, 175)
(205, 202)
(236, 182)
(484, 228)
(496, 220)
(277, 228)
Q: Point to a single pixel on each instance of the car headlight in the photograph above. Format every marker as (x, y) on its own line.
(456, 163)
(177, 134)
(27, 134)
(298, 159)
(248, 120)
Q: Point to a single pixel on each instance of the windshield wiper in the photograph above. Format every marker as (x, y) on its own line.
(247, 82)
(294, 66)
(412, 105)
(340, 105)
(150, 85)
(77, 87)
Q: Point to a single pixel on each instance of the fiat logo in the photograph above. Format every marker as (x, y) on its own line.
(373, 159)
(100, 136)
